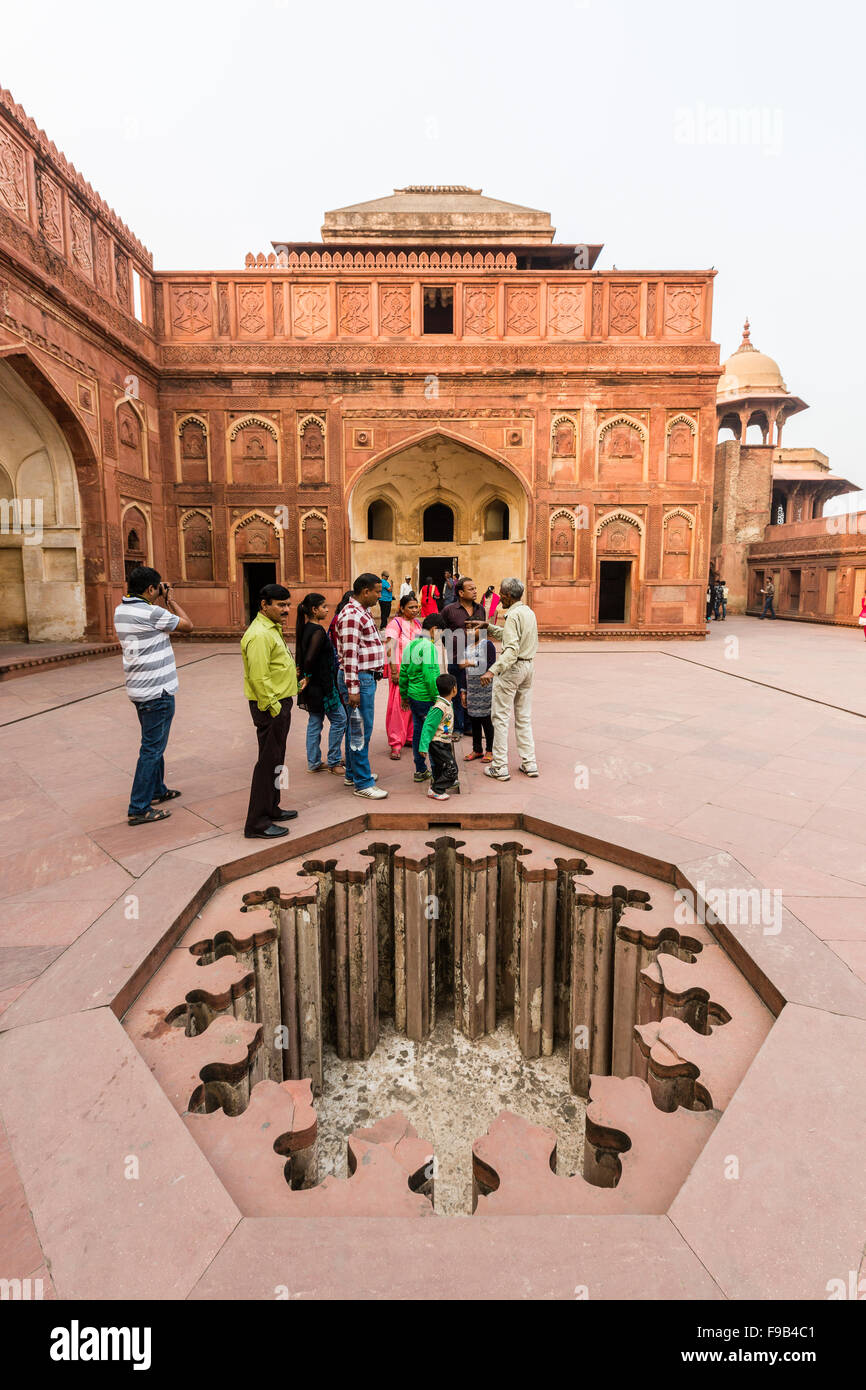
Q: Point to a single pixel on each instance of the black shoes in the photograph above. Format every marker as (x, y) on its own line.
(286, 815)
(273, 832)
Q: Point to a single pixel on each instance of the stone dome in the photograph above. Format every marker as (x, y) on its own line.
(750, 373)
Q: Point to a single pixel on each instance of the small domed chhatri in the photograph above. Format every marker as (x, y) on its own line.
(751, 392)
(750, 371)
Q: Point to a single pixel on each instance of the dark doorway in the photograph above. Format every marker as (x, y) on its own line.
(614, 585)
(434, 568)
(256, 576)
(438, 523)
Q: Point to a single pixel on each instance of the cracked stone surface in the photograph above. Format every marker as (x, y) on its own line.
(451, 1089)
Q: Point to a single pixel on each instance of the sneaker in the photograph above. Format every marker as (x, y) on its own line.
(498, 775)
(347, 781)
(422, 777)
(371, 793)
(530, 771)
(437, 796)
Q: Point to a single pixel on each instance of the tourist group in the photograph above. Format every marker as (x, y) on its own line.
(436, 657)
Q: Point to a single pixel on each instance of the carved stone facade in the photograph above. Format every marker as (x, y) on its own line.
(237, 427)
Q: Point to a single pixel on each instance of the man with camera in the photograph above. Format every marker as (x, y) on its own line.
(145, 616)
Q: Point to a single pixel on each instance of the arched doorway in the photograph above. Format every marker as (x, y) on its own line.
(42, 596)
(448, 501)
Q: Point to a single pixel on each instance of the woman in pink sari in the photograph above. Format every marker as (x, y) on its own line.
(490, 602)
(402, 629)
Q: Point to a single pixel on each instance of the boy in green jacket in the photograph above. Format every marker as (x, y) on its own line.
(437, 735)
(423, 660)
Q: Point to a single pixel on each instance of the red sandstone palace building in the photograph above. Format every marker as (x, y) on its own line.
(435, 384)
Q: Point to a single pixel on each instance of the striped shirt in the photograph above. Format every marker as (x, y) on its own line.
(148, 660)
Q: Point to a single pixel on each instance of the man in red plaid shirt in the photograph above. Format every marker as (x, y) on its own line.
(362, 661)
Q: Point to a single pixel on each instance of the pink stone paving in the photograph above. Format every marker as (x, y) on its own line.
(685, 754)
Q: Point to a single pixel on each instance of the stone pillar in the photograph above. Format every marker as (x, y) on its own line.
(301, 981)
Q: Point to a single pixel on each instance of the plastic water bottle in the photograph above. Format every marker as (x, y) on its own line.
(356, 730)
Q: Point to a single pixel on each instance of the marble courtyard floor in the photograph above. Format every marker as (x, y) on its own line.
(753, 742)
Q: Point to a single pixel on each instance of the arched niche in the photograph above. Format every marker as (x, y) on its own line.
(380, 520)
(41, 552)
(439, 469)
(437, 523)
(497, 520)
(196, 549)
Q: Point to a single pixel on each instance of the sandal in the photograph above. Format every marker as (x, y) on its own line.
(166, 796)
(395, 757)
(471, 757)
(487, 758)
(147, 816)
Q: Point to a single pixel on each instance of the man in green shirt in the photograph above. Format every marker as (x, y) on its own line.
(423, 660)
(270, 684)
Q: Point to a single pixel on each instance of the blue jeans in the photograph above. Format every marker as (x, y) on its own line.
(155, 718)
(358, 760)
(461, 718)
(768, 609)
(420, 709)
(315, 725)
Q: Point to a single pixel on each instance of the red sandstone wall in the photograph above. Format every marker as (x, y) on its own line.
(537, 374)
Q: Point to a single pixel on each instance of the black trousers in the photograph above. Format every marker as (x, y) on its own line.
(265, 787)
(443, 766)
(482, 725)
(385, 612)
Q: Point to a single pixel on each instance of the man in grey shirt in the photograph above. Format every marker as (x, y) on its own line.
(142, 620)
(511, 674)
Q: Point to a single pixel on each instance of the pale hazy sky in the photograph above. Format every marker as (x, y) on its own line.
(682, 135)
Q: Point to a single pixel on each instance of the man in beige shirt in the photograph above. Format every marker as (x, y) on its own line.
(512, 688)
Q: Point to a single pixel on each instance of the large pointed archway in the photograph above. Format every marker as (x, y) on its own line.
(42, 544)
(420, 482)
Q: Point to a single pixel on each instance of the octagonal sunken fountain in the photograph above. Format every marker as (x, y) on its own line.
(478, 1022)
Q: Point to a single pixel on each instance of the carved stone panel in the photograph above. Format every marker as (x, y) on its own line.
(311, 436)
(681, 440)
(129, 439)
(563, 537)
(254, 454)
(80, 234)
(624, 310)
(190, 310)
(121, 278)
(676, 555)
(682, 310)
(197, 546)
(314, 539)
(193, 452)
(565, 310)
(309, 311)
(395, 310)
(103, 261)
(255, 537)
(51, 212)
(279, 319)
(251, 311)
(13, 175)
(521, 310)
(355, 320)
(620, 452)
(619, 538)
(479, 310)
